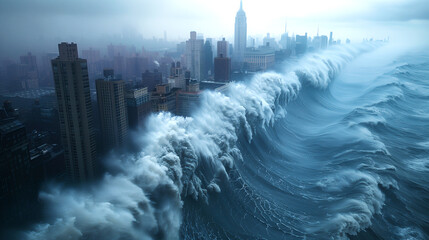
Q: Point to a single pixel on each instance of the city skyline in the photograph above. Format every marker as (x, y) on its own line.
(214, 120)
(134, 21)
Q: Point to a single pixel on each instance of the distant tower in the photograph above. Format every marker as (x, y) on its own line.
(240, 37)
(330, 38)
(194, 56)
(222, 48)
(112, 109)
(75, 112)
(207, 61)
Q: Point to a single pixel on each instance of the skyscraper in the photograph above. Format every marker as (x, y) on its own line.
(138, 106)
(301, 44)
(222, 69)
(194, 52)
(323, 41)
(75, 112)
(222, 63)
(112, 109)
(222, 48)
(151, 79)
(30, 78)
(240, 37)
(207, 68)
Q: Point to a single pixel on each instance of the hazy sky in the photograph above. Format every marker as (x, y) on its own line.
(27, 22)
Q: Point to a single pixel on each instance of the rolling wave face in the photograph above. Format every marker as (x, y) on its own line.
(241, 168)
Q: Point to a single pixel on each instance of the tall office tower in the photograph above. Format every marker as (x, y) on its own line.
(95, 67)
(29, 72)
(323, 42)
(177, 76)
(164, 98)
(112, 109)
(222, 69)
(207, 61)
(301, 44)
(284, 41)
(135, 66)
(138, 105)
(271, 42)
(75, 112)
(240, 37)
(15, 172)
(151, 79)
(330, 39)
(193, 55)
(222, 48)
(30, 61)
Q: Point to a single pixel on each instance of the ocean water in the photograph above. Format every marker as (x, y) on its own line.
(332, 146)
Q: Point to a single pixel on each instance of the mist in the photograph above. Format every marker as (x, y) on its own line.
(214, 120)
(39, 25)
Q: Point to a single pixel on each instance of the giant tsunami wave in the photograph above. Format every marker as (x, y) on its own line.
(290, 154)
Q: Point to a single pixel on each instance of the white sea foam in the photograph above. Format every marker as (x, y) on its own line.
(144, 200)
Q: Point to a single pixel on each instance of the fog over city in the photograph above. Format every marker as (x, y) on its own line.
(198, 119)
(28, 23)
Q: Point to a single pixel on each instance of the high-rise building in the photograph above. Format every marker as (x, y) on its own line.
(29, 72)
(151, 79)
(75, 112)
(270, 42)
(95, 67)
(15, 172)
(222, 69)
(188, 99)
(222, 48)
(30, 61)
(330, 39)
(193, 56)
(164, 98)
(301, 44)
(135, 66)
(112, 110)
(240, 37)
(207, 69)
(323, 42)
(177, 76)
(138, 105)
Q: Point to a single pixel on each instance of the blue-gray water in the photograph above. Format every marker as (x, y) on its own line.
(335, 145)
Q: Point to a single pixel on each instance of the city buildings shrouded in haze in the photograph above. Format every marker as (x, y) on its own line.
(193, 56)
(75, 112)
(222, 48)
(240, 38)
(138, 105)
(112, 109)
(222, 63)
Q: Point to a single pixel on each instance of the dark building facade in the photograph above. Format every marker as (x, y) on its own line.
(112, 110)
(151, 79)
(138, 104)
(301, 44)
(16, 188)
(75, 112)
(222, 69)
(164, 99)
(207, 69)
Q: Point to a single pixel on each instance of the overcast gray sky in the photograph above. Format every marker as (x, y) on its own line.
(27, 22)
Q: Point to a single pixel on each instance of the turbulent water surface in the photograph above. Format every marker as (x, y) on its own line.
(335, 145)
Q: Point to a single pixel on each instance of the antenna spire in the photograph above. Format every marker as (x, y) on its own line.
(241, 4)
